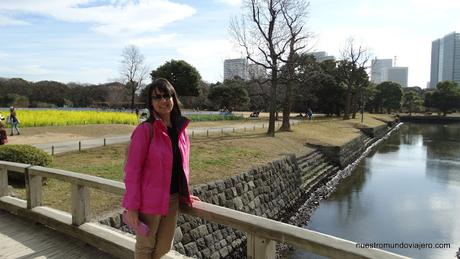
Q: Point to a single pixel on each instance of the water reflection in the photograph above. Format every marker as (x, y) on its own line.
(443, 153)
(408, 191)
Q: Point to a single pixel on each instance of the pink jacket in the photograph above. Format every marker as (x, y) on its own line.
(148, 169)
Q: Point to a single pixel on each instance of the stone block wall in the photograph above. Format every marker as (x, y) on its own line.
(376, 132)
(345, 154)
(268, 191)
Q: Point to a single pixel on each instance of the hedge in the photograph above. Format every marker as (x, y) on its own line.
(25, 154)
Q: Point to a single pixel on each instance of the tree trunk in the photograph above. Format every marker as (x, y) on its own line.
(354, 105)
(133, 94)
(132, 89)
(286, 126)
(271, 122)
(346, 113)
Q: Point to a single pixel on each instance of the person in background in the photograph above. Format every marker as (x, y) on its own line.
(3, 134)
(14, 121)
(157, 171)
(309, 114)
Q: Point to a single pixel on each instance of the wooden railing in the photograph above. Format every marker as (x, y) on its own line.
(262, 234)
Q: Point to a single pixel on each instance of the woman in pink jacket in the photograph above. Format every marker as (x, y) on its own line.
(157, 171)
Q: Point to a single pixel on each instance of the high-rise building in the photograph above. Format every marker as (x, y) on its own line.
(445, 59)
(321, 56)
(382, 70)
(237, 67)
(377, 67)
(396, 74)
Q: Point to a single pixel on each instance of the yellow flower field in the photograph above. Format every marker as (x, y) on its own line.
(34, 118)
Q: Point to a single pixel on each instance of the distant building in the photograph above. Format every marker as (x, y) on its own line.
(382, 70)
(321, 56)
(377, 67)
(256, 71)
(396, 74)
(445, 59)
(239, 67)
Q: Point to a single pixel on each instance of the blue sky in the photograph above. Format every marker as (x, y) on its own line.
(82, 40)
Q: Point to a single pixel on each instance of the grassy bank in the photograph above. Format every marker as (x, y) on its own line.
(212, 158)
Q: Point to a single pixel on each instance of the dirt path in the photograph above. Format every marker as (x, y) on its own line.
(49, 134)
(54, 134)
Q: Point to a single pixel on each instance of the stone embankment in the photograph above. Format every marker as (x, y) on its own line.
(430, 119)
(286, 190)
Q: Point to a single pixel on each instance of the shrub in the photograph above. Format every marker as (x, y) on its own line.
(23, 154)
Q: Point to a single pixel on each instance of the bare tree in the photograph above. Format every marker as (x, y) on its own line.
(354, 59)
(295, 14)
(262, 33)
(133, 70)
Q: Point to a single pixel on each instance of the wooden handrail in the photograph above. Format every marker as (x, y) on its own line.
(95, 182)
(260, 229)
(309, 240)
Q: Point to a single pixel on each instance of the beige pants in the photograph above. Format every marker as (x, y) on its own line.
(161, 234)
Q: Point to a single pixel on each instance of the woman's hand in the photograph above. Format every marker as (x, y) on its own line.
(132, 217)
(194, 198)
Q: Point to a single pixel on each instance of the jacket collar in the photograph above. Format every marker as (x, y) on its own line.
(181, 123)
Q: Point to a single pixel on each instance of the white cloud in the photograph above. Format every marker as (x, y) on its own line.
(6, 21)
(438, 5)
(129, 17)
(35, 70)
(208, 56)
(164, 40)
(231, 2)
(3, 55)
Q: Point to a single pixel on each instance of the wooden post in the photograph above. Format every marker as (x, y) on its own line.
(104, 142)
(3, 181)
(52, 150)
(79, 145)
(207, 133)
(80, 204)
(193, 133)
(260, 248)
(33, 189)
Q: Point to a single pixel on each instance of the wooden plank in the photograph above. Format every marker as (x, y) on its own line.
(260, 248)
(80, 204)
(22, 239)
(3, 181)
(12, 166)
(62, 222)
(315, 242)
(33, 189)
(80, 179)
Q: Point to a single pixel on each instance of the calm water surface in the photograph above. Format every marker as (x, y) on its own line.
(407, 191)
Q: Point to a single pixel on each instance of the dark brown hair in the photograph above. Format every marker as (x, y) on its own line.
(162, 85)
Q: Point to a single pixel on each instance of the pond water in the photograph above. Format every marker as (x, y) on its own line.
(406, 192)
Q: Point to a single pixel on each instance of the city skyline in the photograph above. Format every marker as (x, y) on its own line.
(82, 40)
(445, 59)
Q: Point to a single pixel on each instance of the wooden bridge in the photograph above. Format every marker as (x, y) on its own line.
(77, 229)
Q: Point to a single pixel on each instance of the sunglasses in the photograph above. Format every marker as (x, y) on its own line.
(158, 97)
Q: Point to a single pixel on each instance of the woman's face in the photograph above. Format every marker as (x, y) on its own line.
(162, 103)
